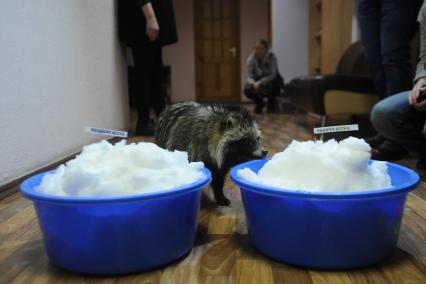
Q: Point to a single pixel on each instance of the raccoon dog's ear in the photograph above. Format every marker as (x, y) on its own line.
(246, 115)
(227, 122)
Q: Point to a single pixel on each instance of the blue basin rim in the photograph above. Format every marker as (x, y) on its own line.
(27, 190)
(410, 184)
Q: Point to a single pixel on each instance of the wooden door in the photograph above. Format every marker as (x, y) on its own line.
(336, 23)
(217, 50)
(330, 33)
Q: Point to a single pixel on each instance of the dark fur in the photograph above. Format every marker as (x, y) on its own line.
(212, 134)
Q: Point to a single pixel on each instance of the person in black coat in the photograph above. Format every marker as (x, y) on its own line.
(146, 26)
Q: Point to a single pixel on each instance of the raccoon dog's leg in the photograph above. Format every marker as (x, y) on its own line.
(218, 179)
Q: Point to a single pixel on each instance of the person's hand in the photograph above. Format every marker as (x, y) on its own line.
(152, 28)
(420, 86)
(421, 106)
(256, 87)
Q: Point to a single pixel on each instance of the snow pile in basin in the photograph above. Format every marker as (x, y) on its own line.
(103, 169)
(318, 166)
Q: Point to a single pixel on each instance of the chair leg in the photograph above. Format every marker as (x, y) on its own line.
(323, 122)
(296, 112)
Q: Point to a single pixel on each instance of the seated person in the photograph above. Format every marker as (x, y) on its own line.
(401, 117)
(263, 79)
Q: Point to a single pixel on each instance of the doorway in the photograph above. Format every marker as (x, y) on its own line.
(217, 50)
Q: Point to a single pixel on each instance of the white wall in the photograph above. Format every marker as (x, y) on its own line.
(253, 24)
(180, 56)
(356, 33)
(290, 20)
(61, 70)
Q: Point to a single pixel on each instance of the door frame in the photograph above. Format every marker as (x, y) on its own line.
(238, 87)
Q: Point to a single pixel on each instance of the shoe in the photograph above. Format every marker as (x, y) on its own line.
(388, 151)
(375, 141)
(421, 165)
(145, 130)
(271, 110)
(258, 110)
(260, 104)
(272, 105)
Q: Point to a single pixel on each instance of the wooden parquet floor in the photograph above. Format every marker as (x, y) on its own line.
(222, 252)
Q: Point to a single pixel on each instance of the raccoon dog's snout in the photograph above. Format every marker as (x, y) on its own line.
(260, 153)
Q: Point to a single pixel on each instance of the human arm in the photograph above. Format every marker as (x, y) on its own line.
(272, 72)
(250, 70)
(152, 27)
(420, 79)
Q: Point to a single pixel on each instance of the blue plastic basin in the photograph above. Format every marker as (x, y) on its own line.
(120, 234)
(325, 230)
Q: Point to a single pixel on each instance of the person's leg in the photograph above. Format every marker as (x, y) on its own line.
(271, 90)
(143, 59)
(158, 91)
(398, 24)
(399, 122)
(255, 97)
(386, 39)
(369, 24)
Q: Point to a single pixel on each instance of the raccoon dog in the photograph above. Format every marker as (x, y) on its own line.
(211, 134)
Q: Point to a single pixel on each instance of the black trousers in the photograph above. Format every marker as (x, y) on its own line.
(270, 90)
(148, 62)
(387, 27)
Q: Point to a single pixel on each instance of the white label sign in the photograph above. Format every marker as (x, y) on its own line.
(107, 132)
(337, 128)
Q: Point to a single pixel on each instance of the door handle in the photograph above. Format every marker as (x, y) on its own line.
(233, 50)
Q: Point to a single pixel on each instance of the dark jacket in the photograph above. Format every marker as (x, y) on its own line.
(264, 71)
(132, 23)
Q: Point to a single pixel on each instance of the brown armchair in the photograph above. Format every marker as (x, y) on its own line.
(350, 91)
